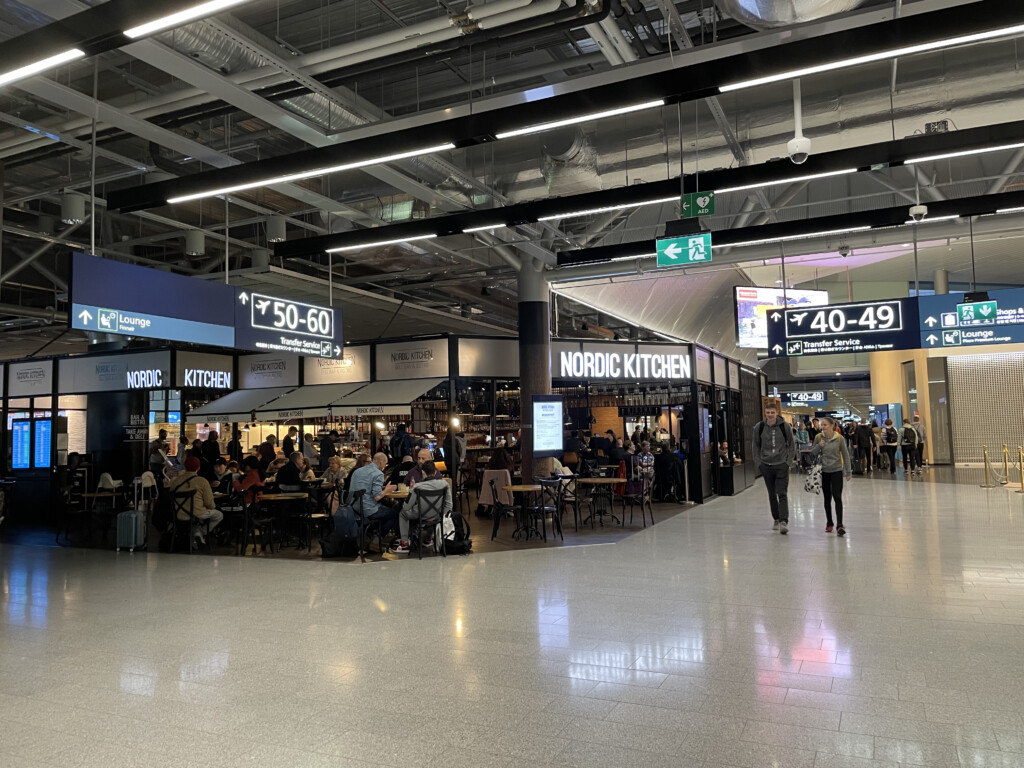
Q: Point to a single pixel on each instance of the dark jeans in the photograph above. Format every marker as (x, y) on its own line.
(920, 455)
(890, 451)
(910, 461)
(388, 518)
(776, 480)
(832, 488)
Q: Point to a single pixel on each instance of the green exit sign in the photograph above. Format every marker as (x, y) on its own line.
(689, 249)
(698, 204)
(977, 313)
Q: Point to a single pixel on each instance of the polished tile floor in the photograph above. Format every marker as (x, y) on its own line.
(706, 641)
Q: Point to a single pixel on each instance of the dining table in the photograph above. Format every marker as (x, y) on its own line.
(525, 491)
(597, 484)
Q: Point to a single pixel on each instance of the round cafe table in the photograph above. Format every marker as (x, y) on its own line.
(598, 483)
(524, 491)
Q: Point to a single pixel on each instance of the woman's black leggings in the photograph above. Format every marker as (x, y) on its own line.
(832, 488)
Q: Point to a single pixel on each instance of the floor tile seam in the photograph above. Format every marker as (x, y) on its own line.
(918, 738)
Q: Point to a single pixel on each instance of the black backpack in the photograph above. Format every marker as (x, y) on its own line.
(909, 435)
(892, 437)
(458, 541)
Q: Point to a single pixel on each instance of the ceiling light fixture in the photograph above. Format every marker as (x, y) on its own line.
(485, 228)
(949, 42)
(788, 180)
(932, 219)
(541, 127)
(381, 242)
(182, 17)
(309, 174)
(807, 236)
(609, 208)
(1011, 210)
(963, 153)
(40, 66)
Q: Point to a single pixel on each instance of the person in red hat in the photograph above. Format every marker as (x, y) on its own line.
(204, 511)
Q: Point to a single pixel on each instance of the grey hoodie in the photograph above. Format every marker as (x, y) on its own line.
(835, 454)
(777, 447)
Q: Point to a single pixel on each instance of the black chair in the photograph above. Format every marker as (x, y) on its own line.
(498, 509)
(549, 503)
(321, 511)
(233, 507)
(638, 492)
(569, 497)
(258, 518)
(73, 513)
(181, 502)
(429, 510)
(366, 527)
(462, 488)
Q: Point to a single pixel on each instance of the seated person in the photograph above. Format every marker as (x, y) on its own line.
(222, 477)
(348, 460)
(335, 474)
(646, 457)
(415, 474)
(289, 477)
(307, 474)
(415, 507)
(370, 478)
(616, 454)
(401, 470)
(251, 482)
(274, 467)
(205, 512)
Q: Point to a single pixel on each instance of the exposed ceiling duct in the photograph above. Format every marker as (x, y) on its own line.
(769, 14)
(569, 163)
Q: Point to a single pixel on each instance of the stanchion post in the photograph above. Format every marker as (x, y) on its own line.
(1006, 466)
(1020, 463)
(988, 480)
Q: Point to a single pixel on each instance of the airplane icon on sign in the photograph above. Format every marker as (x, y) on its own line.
(799, 319)
(262, 306)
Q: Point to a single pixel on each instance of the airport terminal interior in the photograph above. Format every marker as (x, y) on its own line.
(507, 383)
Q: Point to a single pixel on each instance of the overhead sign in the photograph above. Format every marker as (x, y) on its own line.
(947, 321)
(639, 411)
(868, 326)
(270, 370)
(113, 373)
(804, 398)
(197, 369)
(268, 323)
(690, 249)
(698, 204)
(26, 379)
(110, 297)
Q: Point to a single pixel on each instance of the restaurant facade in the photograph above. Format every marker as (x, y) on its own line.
(107, 406)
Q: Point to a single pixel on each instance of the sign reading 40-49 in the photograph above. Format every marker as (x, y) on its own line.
(869, 326)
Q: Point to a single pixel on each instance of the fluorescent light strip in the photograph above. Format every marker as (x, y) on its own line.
(182, 17)
(635, 258)
(790, 180)
(541, 127)
(380, 243)
(309, 174)
(485, 228)
(607, 209)
(950, 42)
(931, 220)
(40, 66)
(964, 153)
(796, 237)
(1011, 210)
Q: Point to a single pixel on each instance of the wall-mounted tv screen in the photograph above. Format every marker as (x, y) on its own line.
(753, 303)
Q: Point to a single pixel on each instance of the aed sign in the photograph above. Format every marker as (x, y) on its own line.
(199, 377)
(152, 378)
(616, 365)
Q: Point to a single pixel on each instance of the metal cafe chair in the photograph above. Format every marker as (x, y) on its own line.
(181, 502)
(366, 527)
(429, 509)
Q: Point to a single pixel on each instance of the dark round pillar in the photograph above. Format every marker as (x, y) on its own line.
(534, 357)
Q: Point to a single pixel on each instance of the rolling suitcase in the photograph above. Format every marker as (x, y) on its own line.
(131, 530)
(858, 465)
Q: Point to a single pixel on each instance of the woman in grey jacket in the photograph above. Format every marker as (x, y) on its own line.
(835, 466)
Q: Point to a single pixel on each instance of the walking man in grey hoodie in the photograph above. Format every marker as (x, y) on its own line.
(774, 451)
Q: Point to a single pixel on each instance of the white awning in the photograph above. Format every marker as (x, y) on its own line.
(384, 398)
(313, 401)
(236, 406)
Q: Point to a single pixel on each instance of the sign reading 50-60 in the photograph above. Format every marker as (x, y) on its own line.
(286, 325)
(868, 326)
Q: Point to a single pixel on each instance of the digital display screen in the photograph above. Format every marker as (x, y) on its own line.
(752, 305)
(41, 451)
(866, 326)
(547, 426)
(111, 297)
(21, 444)
(804, 398)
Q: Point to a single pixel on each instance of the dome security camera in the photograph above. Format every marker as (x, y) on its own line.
(799, 149)
(844, 251)
(918, 212)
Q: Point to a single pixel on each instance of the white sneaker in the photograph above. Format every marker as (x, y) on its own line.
(775, 525)
(783, 527)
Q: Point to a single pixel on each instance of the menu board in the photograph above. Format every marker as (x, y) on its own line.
(547, 426)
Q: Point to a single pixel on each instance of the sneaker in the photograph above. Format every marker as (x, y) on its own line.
(840, 531)
(775, 525)
(783, 527)
(400, 547)
(828, 528)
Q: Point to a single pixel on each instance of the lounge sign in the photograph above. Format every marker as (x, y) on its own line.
(623, 365)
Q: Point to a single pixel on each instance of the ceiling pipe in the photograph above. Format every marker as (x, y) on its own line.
(48, 313)
(39, 252)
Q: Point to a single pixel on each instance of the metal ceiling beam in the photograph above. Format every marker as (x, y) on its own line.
(30, 258)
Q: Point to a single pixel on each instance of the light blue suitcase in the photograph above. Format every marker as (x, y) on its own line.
(131, 530)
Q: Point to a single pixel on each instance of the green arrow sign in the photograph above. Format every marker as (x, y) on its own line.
(691, 249)
(977, 313)
(698, 204)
